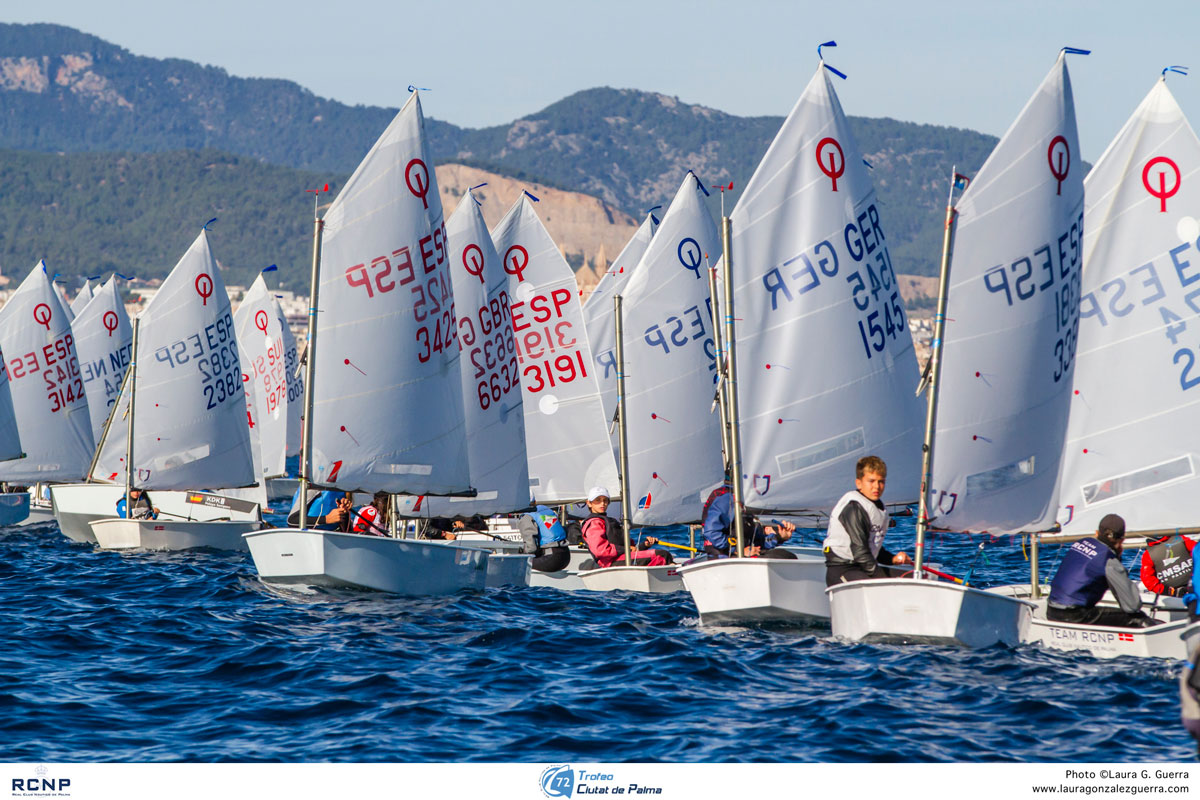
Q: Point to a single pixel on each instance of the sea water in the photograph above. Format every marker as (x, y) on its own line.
(112, 656)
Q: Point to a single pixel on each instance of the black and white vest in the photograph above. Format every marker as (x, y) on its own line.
(837, 539)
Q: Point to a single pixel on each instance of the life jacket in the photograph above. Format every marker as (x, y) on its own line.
(367, 520)
(749, 521)
(321, 504)
(602, 546)
(142, 508)
(550, 531)
(1172, 561)
(837, 538)
(1080, 580)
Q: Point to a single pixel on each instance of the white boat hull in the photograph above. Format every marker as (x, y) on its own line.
(76, 505)
(1191, 639)
(568, 579)
(350, 560)
(658, 580)
(508, 569)
(903, 610)
(752, 590)
(14, 508)
(169, 534)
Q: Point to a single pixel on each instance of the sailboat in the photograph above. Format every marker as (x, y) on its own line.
(670, 442)
(491, 389)
(46, 389)
(822, 344)
(566, 431)
(104, 341)
(383, 390)
(1004, 348)
(1136, 452)
(183, 411)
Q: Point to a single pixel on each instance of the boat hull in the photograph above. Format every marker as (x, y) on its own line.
(903, 610)
(349, 560)
(657, 580)
(76, 505)
(165, 534)
(756, 590)
(14, 508)
(1191, 639)
(508, 569)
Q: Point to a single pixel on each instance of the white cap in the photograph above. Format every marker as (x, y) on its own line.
(597, 491)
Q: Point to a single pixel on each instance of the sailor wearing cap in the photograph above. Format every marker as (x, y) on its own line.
(1089, 569)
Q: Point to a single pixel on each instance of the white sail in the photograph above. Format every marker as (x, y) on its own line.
(674, 436)
(104, 341)
(294, 376)
(258, 492)
(82, 298)
(566, 431)
(826, 367)
(10, 437)
(190, 429)
(491, 378)
(388, 407)
(1012, 318)
(1137, 385)
(598, 312)
(263, 356)
(45, 383)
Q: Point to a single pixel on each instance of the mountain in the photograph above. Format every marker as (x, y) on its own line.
(66, 91)
(135, 213)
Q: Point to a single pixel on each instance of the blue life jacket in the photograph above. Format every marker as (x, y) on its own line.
(321, 505)
(550, 531)
(1080, 579)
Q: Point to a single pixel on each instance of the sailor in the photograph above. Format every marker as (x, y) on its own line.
(372, 519)
(546, 538)
(605, 538)
(1167, 565)
(327, 511)
(142, 507)
(762, 541)
(854, 542)
(1089, 569)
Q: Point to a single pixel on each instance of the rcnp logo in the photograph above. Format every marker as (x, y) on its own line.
(40, 785)
(558, 781)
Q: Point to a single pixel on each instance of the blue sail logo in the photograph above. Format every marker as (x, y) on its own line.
(558, 781)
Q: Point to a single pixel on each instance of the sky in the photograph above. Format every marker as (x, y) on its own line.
(967, 64)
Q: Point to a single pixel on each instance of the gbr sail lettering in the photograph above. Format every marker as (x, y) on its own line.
(487, 339)
(547, 345)
(214, 353)
(432, 298)
(57, 366)
(872, 283)
(1143, 288)
(1052, 267)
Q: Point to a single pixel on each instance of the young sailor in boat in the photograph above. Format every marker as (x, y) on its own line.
(1089, 569)
(327, 511)
(142, 507)
(1167, 565)
(372, 519)
(605, 539)
(545, 537)
(759, 541)
(854, 543)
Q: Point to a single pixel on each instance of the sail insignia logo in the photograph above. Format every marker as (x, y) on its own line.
(40, 784)
(558, 781)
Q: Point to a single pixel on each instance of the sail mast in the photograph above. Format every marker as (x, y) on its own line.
(129, 431)
(719, 343)
(310, 365)
(735, 440)
(622, 430)
(934, 373)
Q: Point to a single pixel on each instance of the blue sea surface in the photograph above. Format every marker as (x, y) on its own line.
(189, 657)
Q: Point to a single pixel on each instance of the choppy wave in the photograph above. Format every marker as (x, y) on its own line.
(188, 657)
